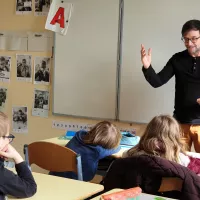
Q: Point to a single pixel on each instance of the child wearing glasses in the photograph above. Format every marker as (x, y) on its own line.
(21, 185)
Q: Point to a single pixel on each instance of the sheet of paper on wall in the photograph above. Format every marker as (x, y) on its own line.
(42, 7)
(40, 103)
(23, 7)
(42, 67)
(40, 41)
(5, 68)
(24, 68)
(20, 119)
(13, 41)
(3, 98)
(59, 17)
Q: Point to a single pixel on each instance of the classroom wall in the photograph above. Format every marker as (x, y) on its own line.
(21, 93)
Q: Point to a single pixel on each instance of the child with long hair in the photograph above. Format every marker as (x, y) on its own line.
(162, 137)
(101, 141)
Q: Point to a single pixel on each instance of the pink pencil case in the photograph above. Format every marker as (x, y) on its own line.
(131, 193)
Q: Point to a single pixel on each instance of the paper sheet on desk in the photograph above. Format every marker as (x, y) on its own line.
(59, 17)
(152, 197)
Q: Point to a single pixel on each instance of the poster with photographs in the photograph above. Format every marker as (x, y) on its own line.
(24, 68)
(5, 67)
(42, 70)
(41, 103)
(23, 7)
(42, 7)
(20, 119)
(3, 97)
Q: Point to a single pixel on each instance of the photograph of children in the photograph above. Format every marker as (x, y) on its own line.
(42, 7)
(42, 70)
(5, 65)
(24, 68)
(20, 119)
(3, 97)
(23, 7)
(41, 103)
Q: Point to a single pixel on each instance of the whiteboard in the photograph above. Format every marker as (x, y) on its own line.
(156, 24)
(84, 82)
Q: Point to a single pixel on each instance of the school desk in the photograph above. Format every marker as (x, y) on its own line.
(63, 142)
(52, 187)
(143, 196)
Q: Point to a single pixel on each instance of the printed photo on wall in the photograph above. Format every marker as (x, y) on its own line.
(23, 7)
(42, 7)
(24, 68)
(20, 119)
(3, 97)
(42, 70)
(41, 103)
(5, 66)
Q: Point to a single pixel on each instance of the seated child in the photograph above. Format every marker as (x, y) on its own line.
(101, 141)
(21, 185)
(162, 137)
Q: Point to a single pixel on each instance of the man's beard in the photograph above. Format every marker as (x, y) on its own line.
(196, 51)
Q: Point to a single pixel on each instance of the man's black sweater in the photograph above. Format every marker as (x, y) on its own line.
(187, 89)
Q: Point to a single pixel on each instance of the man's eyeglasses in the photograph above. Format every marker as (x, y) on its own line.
(10, 137)
(193, 40)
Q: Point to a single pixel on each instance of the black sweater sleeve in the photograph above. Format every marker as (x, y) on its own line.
(114, 176)
(157, 80)
(21, 185)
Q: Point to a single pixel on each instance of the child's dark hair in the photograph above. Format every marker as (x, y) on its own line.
(104, 134)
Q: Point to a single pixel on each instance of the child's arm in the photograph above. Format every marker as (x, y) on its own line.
(114, 176)
(117, 152)
(21, 185)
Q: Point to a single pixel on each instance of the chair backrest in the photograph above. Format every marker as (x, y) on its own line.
(170, 184)
(53, 157)
(144, 171)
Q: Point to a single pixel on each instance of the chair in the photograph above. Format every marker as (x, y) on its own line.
(153, 174)
(53, 157)
(170, 184)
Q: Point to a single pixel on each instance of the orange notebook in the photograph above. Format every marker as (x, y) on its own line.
(123, 195)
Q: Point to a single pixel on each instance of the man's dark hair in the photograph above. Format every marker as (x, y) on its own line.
(190, 25)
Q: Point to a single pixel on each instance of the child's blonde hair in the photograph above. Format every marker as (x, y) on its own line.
(4, 124)
(104, 134)
(162, 137)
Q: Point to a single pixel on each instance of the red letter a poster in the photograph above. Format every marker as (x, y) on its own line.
(59, 17)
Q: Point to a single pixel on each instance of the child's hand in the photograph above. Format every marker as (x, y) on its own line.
(10, 152)
(4, 150)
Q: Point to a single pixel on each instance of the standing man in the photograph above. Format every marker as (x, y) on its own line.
(185, 66)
